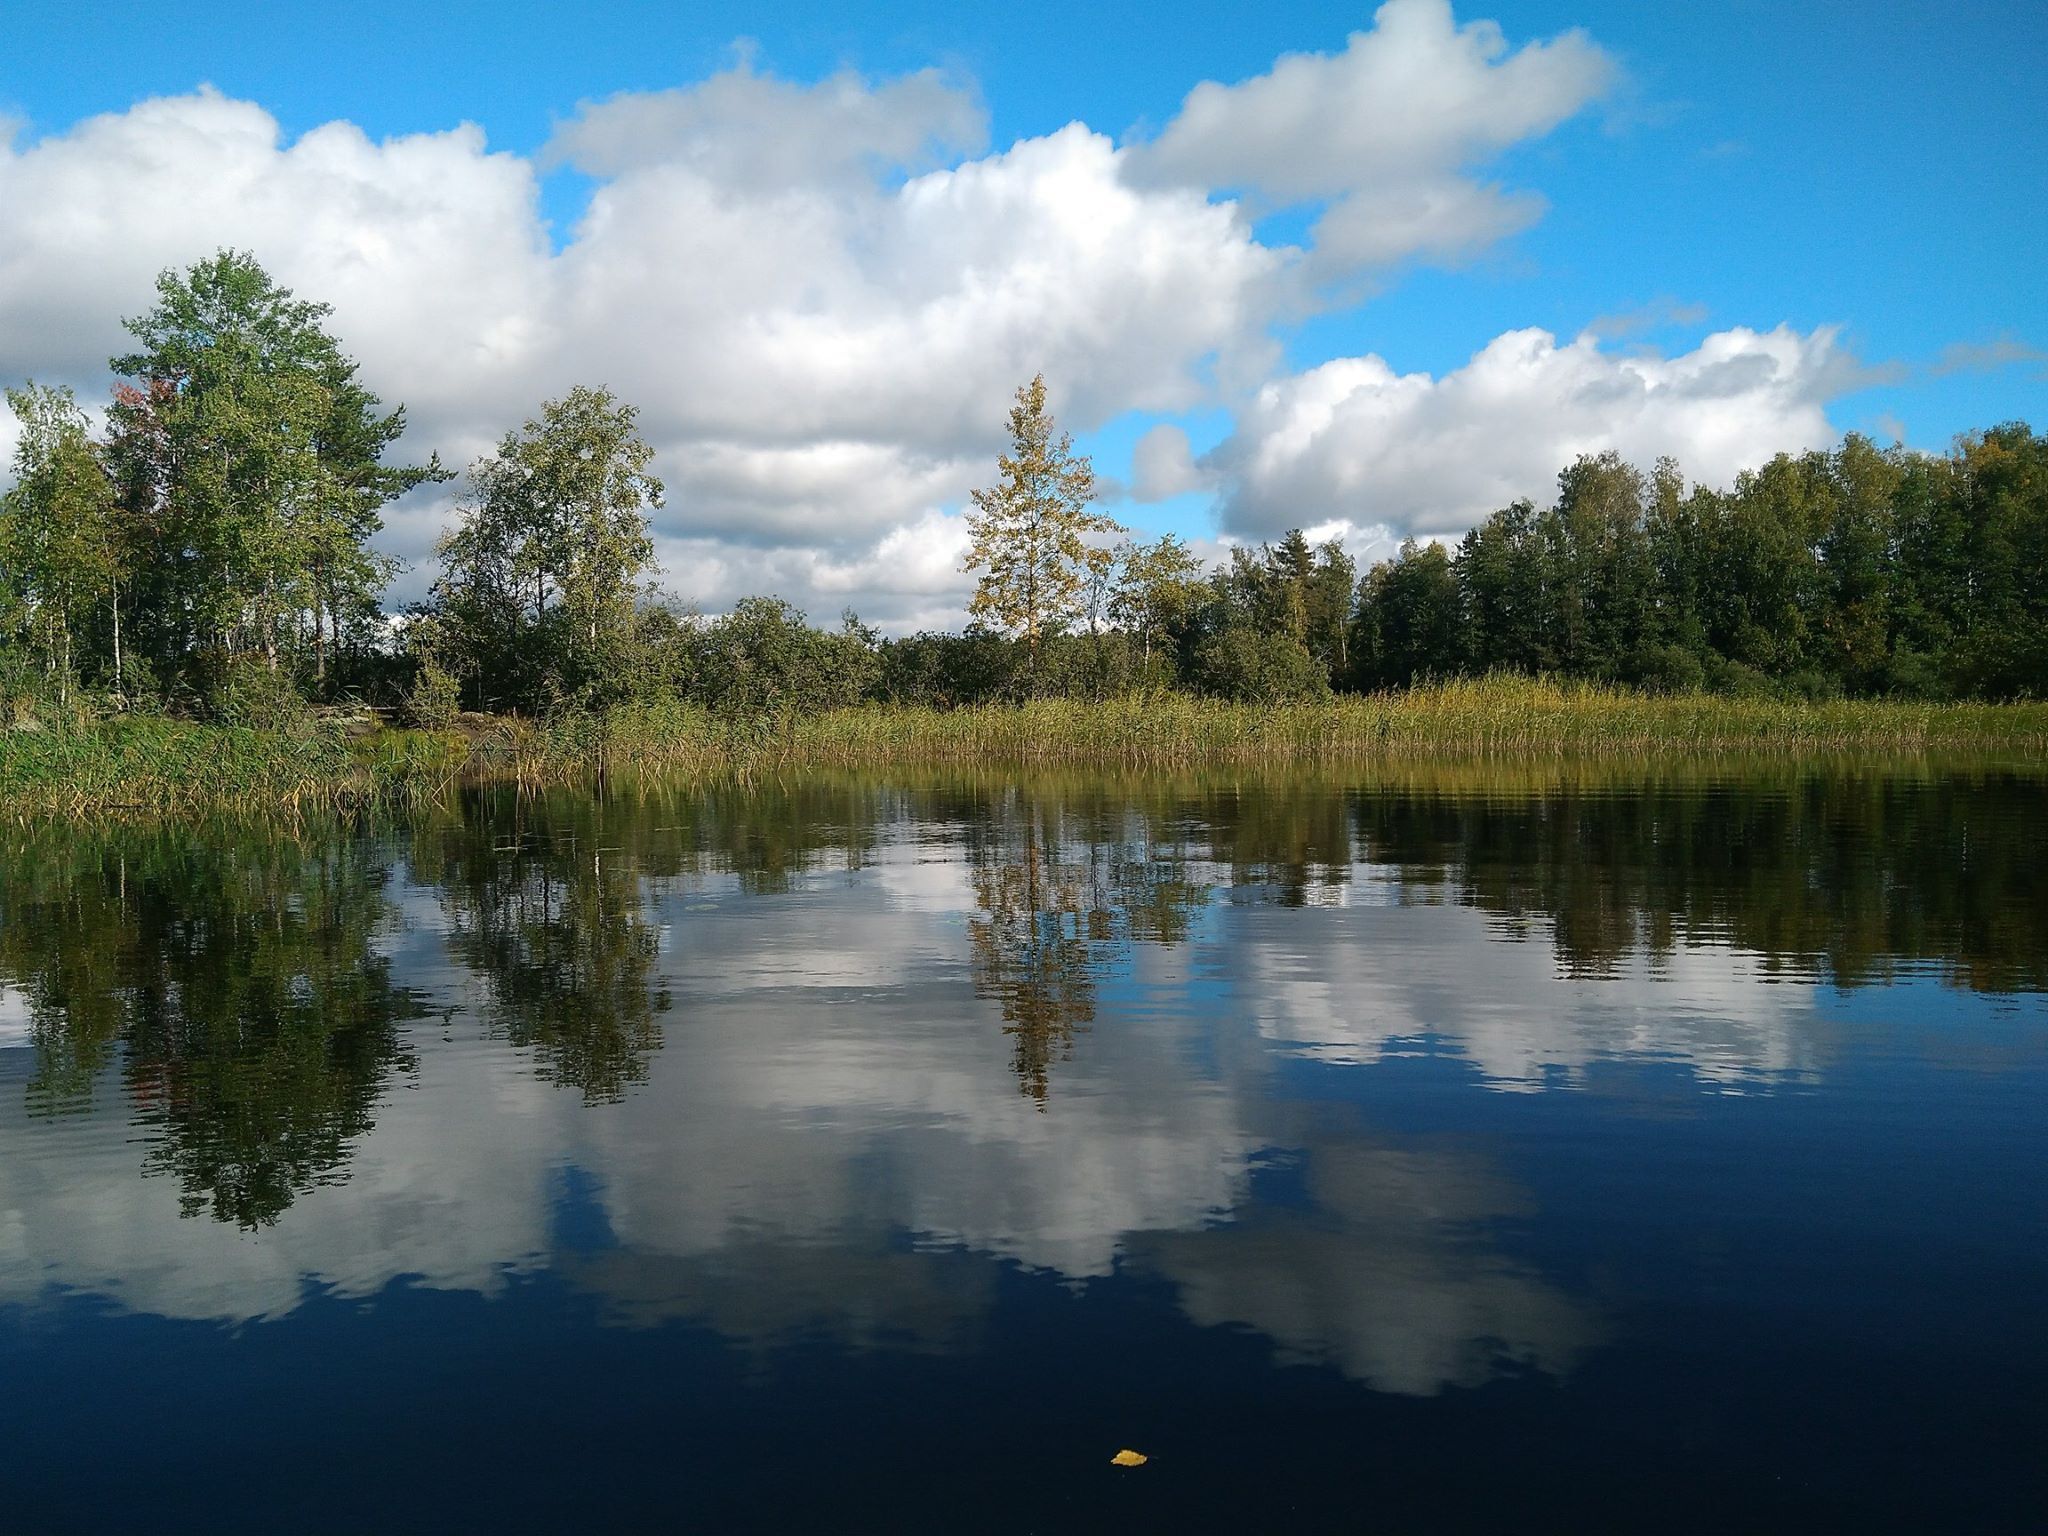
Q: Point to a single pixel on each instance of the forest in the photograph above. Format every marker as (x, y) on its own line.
(203, 548)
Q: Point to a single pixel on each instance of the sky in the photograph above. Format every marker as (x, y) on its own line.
(1372, 273)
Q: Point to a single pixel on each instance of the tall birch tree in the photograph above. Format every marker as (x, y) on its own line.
(1030, 530)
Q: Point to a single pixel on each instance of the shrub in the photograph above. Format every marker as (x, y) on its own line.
(249, 692)
(1669, 669)
(435, 698)
(1255, 666)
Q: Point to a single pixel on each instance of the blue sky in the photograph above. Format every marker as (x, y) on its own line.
(1748, 165)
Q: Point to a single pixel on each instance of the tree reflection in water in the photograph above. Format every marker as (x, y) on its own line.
(1062, 890)
(237, 983)
(551, 919)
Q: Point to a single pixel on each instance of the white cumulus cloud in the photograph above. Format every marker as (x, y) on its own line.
(1355, 441)
(822, 295)
(821, 329)
(1386, 133)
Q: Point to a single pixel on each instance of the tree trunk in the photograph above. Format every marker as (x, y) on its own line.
(120, 685)
(319, 631)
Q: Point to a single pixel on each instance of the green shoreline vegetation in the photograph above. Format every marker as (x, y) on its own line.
(155, 765)
(192, 613)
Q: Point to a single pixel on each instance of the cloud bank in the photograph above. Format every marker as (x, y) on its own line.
(1355, 441)
(821, 296)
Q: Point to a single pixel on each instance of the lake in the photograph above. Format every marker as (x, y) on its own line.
(1656, 1148)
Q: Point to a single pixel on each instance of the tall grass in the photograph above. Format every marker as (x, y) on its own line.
(1484, 718)
(149, 764)
(162, 765)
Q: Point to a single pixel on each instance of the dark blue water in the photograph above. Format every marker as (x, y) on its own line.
(1469, 1153)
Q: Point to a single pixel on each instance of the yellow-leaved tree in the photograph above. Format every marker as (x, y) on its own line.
(1030, 530)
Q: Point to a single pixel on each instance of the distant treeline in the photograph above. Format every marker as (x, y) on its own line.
(208, 553)
(1857, 571)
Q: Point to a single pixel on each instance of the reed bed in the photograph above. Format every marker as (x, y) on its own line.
(155, 765)
(1487, 718)
(152, 765)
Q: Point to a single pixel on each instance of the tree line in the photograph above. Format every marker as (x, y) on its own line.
(207, 550)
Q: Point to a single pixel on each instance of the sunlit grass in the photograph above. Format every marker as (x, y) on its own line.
(1494, 717)
(155, 765)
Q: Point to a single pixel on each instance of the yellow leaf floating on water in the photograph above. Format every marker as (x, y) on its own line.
(1127, 1459)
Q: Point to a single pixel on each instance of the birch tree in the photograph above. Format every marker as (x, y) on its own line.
(1030, 530)
(58, 529)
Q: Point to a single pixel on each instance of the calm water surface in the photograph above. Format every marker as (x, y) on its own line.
(1467, 1152)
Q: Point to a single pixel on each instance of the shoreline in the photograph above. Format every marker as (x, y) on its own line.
(151, 765)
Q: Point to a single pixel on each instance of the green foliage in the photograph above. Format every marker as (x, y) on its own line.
(941, 671)
(1257, 666)
(59, 531)
(252, 694)
(764, 658)
(435, 699)
(1030, 531)
(541, 578)
(1409, 622)
(209, 555)
(1157, 594)
(1668, 669)
(140, 765)
(249, 463)
(1858, 571)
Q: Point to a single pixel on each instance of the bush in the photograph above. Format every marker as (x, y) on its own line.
(1736, 680)
(764, 658)
(1255, 666)
(249, 692)
(1911, 674)
(435, 698)
(941, 671)
(1668, 669)
(1811, 685)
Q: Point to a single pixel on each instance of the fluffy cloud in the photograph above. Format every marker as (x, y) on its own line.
(839, 360)
(821, 297)
(429, 246)
(1385, 133)
(745, 130)
(822, 331)
(1355, 441)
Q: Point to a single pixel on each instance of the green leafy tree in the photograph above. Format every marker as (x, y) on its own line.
(1500, 580)
(540, 579)
(1156, 592)
(1410, 621)
(250, 456)
(1030, 531)
(1855, 540)
(59, 529)
(1329, 596)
